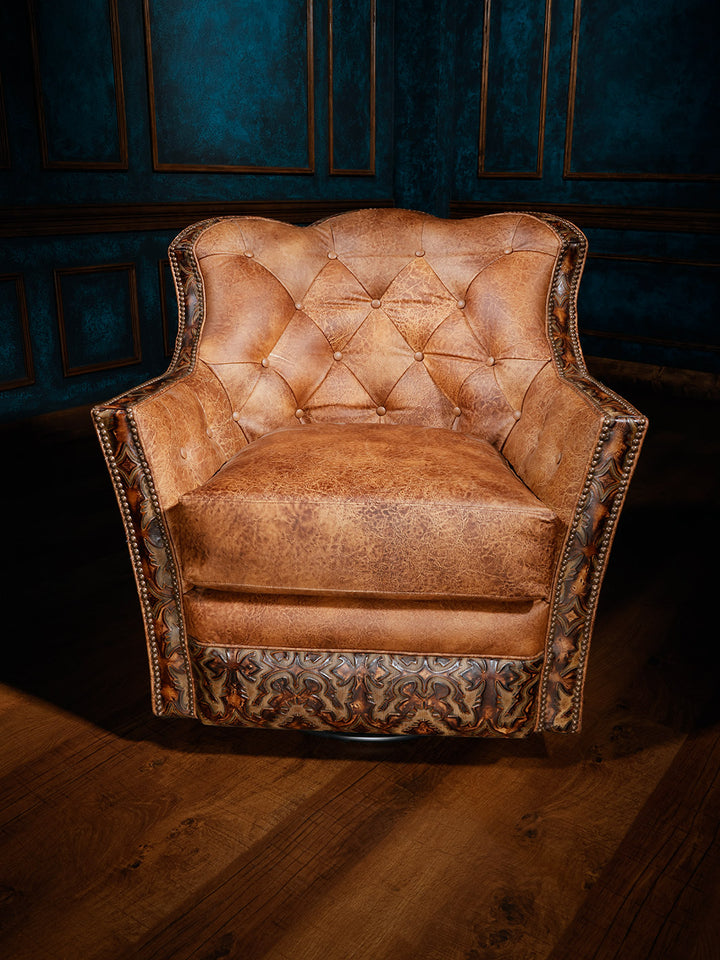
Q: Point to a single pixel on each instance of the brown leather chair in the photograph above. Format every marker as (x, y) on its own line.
(376, 489)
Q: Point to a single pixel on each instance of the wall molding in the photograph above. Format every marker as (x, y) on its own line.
(47, 162)
(601, 216)
(537, 173)
(370, 170)
(48, 221)
(161, 166)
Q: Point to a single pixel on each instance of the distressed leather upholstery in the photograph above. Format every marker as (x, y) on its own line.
(376, 489)
(337, 509)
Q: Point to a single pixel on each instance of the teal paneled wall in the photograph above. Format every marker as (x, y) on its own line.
(116, 117)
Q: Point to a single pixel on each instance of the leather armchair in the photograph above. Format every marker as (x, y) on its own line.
(376, 489)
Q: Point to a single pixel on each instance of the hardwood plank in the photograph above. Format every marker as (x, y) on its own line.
(651, 899)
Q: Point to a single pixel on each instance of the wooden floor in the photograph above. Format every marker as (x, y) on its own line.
(124, 836)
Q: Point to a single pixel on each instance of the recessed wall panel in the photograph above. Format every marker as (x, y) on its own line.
(652, 309)
(98, 317)
(230, 85)
(643, 91)
(513, 97)
(16, 366)
(352, 86)
(168, 307)
(78, 80)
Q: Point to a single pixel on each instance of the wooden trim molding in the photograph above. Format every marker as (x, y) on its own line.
(125, 217)
(369, 171)
(601, 216)
(47, 162)
(568, 172)
(537, 173)
(24, 319)
(174, 167)
(129, 268)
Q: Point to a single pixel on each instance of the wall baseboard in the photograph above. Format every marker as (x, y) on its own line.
(670, 380)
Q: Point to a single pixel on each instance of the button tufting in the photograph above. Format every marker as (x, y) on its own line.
(419, 355)
(381, 411)
(508, 250)
(299, 413)
(209, 432)
(456, 411)
(375, 304)
(461, 303)
(265, 362)
(248, 253)
(419, 253)
(490, 361)
(298, 306)
(337, 355)
(516, 414)
(332, 255)
(183, 453)
(235, 416)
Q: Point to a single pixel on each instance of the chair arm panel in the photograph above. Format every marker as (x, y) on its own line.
(153, 562)
(576, 448)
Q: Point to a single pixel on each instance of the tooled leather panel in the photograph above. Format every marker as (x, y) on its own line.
(619, 433)
(441, 627)
(392, 317)
(153, 563)
(366, 510)
(365, 692)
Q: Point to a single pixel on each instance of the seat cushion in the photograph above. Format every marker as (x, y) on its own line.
(367, 510)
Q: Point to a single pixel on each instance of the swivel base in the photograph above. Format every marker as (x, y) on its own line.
(366, 737)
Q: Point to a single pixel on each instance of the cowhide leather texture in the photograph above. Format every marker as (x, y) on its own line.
(376, 488)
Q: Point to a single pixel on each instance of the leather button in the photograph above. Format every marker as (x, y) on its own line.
(337, 355)
(299, 413)
(507, 250)
(209, 432)
(375, 304)
(490, 361)
(332, 255)
(516, 414)
(265, 362)
(183, 453)
(298, 306)
(456, 411)
(461, 303)
(381, 411)
(248, 253)
(236, 416)
(419, 355)
(419, 253)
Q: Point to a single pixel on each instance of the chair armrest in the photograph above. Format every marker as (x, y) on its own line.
(575, 447)
(160, 440)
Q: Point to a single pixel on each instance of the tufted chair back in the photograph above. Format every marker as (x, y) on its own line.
(376, 316)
